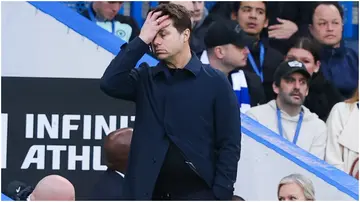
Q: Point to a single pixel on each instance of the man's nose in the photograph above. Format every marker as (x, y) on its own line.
(253, 13)
(297, 85)
(157, 40)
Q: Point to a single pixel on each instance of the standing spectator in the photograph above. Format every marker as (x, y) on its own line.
(226, 49)
(105, 14)
(262, 60)
(339, 64)
(116, 148)
(287, 116)
(322, 93)
(182, 149)
(342, 148)
(296, 187)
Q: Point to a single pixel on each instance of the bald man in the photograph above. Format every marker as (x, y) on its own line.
(53, 188)
(116, 148)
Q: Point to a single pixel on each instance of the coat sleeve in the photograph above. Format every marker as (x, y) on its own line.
(121, 78)
(333, 150)
(228, 140)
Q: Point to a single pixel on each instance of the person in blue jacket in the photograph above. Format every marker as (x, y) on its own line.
(339, 64)
(186, 139)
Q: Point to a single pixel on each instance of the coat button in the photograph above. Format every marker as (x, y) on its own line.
(146, 194)
(154, 160)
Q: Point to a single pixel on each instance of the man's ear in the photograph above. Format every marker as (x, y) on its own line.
(233, 15)
(219, 52)
(275, 88)
(266, 24)
(311, 29)
(186, 34)
(317, 66)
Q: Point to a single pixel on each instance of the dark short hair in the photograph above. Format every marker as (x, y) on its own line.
(310, 45)
(237, 4)
(328, 3)
(178, 14)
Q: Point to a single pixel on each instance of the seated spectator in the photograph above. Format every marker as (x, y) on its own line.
(322, 94)
(262, 59)
(226, 49)
(296, 187)
(342, 149)
(287, 116)
(105, 14)
(53, 188)
(197, 34)
(117, 148)
(287, 22)
(200, 13)
(188, 5)
(339, 64)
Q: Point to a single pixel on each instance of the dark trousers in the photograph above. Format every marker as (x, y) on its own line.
(201, 195)
(179, 181)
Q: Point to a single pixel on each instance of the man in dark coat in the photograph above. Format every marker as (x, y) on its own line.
(182, 148)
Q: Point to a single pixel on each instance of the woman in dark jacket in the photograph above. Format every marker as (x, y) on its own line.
(322, 93)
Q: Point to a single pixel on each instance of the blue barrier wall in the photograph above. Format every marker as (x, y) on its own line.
(249, 127)
(5, 198)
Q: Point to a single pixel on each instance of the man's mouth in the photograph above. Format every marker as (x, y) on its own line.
(251, 25)
(330, 36)
(297, 96)
(160, 51)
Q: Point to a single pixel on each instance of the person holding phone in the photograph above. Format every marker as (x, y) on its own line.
(186, 140)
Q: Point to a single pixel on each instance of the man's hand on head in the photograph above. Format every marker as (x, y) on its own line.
(152, 25)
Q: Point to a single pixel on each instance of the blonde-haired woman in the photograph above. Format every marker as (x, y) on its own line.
(296, 187)
(342, 149)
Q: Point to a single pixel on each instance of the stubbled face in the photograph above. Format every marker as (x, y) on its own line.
(291, 192)
(305, 57)
(107, 9)
(251, 16)
(235, 56)
(293, 89)
(169, 42)
(327, 25)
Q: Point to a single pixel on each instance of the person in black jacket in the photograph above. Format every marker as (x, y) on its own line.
(182, 149)
(116, 148)
(322, 93)
(263, 59)
(105, 14)
(226, 50)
